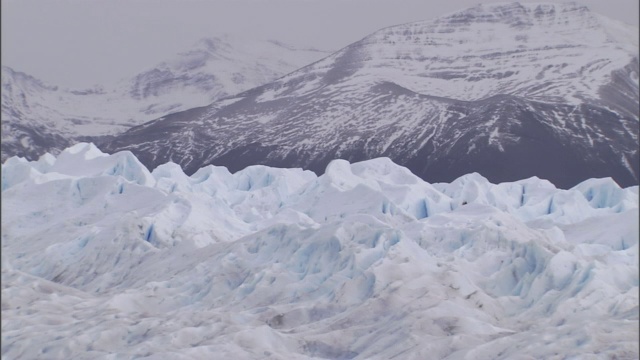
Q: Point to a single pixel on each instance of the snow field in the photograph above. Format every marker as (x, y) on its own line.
(103, 259)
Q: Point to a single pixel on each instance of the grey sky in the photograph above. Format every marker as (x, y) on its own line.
(78, 43)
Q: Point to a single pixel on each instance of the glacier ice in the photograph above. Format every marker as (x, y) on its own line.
(102, 259)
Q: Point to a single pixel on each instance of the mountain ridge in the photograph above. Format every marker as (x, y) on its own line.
(344, 106)
(39, 118)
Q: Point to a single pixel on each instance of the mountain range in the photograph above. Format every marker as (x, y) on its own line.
(39, 118)
(508, 90)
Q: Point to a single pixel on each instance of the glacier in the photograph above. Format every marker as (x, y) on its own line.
(104, 259)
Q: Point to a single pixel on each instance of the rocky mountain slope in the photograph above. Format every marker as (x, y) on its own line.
(507, 90)
(37, 118)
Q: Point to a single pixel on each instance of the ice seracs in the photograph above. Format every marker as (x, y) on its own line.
(365, 261)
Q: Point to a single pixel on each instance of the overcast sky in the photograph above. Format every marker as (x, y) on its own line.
(78, 43)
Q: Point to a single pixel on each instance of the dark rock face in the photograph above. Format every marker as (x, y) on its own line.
(31, 141)
(525, 138)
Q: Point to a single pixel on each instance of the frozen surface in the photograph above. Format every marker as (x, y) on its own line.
(102, 259)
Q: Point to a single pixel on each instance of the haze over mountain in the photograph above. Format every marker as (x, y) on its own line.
(507, 90)
(39, 118)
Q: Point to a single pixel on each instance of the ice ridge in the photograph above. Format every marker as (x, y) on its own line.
(102, 258)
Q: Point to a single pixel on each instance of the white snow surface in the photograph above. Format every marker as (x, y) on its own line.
(103, 259)
(547, 52)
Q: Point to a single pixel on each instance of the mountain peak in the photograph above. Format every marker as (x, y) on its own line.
(214, 43)
(544, 47)
(545, 17)
(514, 10)
(491, 89)
(37, 117)
(10, 75)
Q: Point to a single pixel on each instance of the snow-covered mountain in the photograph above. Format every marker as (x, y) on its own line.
(102, 259)
(507, 90)
(37, 118)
